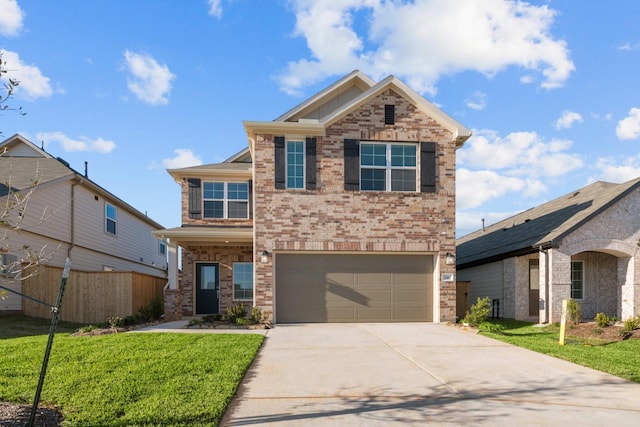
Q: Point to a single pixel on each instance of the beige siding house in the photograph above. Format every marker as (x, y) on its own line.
(68, 215)
(584, 245)
(340, 210)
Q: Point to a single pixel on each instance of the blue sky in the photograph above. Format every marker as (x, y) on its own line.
(549, 88)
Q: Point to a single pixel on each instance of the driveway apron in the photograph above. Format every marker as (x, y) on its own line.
(419, 374)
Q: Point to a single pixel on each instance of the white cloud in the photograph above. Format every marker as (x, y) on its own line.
(11, 17)
(629, 46)
(477, 101)
(215, 8)
(183, 158)
(612, 171)
(567, 119)
(150, 82)
(421, 40)
(473, 188)
(32, 84)
(81, 143)
(518, 154)
(629, 127)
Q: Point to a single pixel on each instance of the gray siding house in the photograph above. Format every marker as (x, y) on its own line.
(584, 245)
(68, 215)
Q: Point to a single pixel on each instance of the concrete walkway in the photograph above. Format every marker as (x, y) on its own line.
(420, 374)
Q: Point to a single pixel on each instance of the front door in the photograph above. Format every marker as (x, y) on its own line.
(207, 288)
(534, 287)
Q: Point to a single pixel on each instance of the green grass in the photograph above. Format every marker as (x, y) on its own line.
(620, 358)
(128, 379)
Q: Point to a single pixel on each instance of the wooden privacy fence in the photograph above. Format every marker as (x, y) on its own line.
(90, 297)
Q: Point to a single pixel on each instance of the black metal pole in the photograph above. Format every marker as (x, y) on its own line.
(52, 331)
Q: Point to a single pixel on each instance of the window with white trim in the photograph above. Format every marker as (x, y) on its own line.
(295, 164)
(227, 200)
(110, 218)
(387, 167)
(162, 247)
(242, 280)
(577, 280)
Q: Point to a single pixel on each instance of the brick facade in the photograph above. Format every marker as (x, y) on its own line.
(332, 219)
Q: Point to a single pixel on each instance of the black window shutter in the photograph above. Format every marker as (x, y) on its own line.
(194, 198)
(310, 163)
(351, 164)
(279, 162)
(389, 114)
(428, 167)
(250, 199)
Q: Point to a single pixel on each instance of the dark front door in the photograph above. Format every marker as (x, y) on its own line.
(207, 288)
(534, 287)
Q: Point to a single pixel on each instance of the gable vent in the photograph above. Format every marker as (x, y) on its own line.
(389, 114)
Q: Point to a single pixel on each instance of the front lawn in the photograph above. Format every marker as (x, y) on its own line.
(620, 358)
(129, 379)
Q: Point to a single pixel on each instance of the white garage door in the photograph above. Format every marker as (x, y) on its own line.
(353, 288)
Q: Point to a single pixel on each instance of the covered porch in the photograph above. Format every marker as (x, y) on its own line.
(210, 268)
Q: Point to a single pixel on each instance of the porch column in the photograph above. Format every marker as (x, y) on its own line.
(172, 270)
(555, 284)
(172, 295)
(629, 295)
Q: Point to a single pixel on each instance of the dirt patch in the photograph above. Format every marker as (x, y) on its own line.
(14, 415)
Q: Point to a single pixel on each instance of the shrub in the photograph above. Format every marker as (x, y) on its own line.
(574, 311)
(256, 315)
(602, 320)
(241, 321)
(479, 312)
(115, 322)
(236, 312)
(631, 324)
(153, 310)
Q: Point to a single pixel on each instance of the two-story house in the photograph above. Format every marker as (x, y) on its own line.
(66, 214)
(340, 210)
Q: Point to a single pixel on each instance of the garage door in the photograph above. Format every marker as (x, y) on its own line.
(353, 288)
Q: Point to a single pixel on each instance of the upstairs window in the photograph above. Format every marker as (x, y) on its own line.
(162, 247)
(226, 200)
(111, 218)
(387, 167)
(295, 164)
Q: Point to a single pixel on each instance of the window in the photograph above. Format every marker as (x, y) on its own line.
(295, 164)
(387, 167)
(577, 279)
(226, 200)
(162, 247)
(243, 280)
(111, 217)
(9, 265)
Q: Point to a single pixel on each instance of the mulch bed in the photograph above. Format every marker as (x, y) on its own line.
(591, 331)
(14, 415)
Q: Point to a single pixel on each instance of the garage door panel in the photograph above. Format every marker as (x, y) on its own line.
(353, 288)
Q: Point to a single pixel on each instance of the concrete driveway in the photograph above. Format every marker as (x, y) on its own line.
(419, 374)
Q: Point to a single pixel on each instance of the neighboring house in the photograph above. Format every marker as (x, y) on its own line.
(584, 245)
(340, 210)
(68, 215)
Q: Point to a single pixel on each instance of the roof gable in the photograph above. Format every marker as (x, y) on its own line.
(544, 225)
(329, 99)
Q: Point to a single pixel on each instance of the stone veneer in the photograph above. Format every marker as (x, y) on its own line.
(332, 219)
